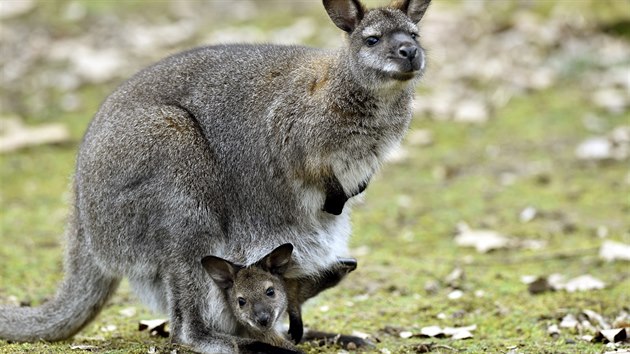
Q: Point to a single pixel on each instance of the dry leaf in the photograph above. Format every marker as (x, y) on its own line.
(462, 335)
(537, 285)
(405, 334)
(454, 278)
(453, 332)
(455, 294)
(528, 214)
(450, 331)
(361, 335)
(487, 240)
(611, 335)
(15, 136)
(108, 328)
(596, 318)
(155, 327)
(614, 251)
(553, 330)
(622, 320)
(569, 321)
(482, 240)
(583, 283)
(595, 148)
(431, 331)
(128, 312)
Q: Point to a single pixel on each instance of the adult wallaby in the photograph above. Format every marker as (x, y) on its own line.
(259, 294)
(229, 150)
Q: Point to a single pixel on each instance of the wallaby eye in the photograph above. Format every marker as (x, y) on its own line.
(241, 302)
(414, 35)
(371, 41)
(270, 292)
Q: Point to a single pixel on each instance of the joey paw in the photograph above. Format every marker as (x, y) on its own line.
(296, 333)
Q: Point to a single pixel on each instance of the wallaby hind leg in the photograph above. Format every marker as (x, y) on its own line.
(327, 338)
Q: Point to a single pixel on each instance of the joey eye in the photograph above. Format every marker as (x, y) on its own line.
(371, 41)
(270, 292)
(414, 35)
(241, 302)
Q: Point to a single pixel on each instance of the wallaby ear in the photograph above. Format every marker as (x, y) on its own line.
(345, 14)
(277, 261)
(415, 9)
(221, 271)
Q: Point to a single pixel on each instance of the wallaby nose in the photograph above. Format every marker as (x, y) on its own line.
(408, 51)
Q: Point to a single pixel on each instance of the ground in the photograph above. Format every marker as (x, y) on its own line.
(483, 171)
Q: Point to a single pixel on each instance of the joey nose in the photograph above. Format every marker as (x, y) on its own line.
(408, 52)
(263, 319)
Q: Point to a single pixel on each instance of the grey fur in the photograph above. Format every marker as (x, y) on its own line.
(226, 150)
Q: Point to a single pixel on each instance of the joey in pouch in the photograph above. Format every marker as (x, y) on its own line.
(259, 295)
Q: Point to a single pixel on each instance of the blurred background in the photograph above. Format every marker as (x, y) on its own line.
(515, 170)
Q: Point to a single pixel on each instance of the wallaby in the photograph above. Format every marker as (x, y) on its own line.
(229, 150)
(259, 294)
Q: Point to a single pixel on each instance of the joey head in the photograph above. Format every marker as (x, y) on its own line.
(259, 295)
(256, 294)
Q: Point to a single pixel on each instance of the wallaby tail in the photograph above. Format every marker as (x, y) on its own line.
(82, 294)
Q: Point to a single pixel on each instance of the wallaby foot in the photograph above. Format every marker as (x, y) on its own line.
(343, 340)
(264, 348)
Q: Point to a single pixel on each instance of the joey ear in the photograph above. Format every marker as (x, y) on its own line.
(221, 271)
(277, 261)
(345, 14)
(415, 9)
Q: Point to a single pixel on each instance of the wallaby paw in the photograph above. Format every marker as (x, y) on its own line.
(296, 333)
(264, 348)
(345, 341)
(334, 205)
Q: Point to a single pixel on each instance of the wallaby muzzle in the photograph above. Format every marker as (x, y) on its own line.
(404, 48)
